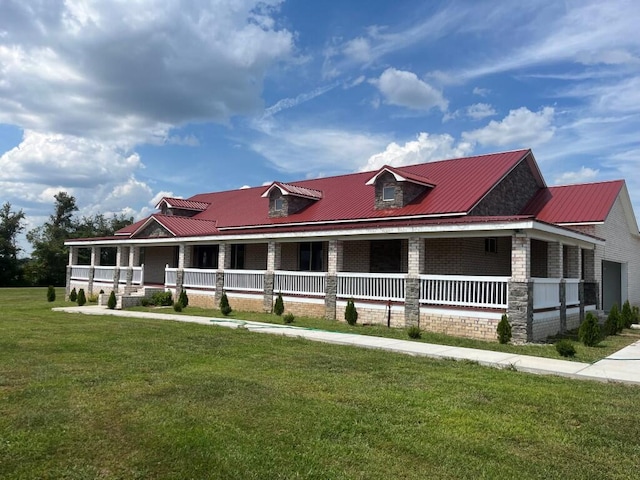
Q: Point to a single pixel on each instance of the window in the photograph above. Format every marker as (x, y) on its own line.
(206, 256)
(237, 256)
(491, 245)
(311, 256)
(278, 204)
(389, 194)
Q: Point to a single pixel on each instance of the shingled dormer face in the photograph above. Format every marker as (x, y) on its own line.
(391, 193)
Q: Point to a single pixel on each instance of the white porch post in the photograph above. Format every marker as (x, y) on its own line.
(335, 256)
(73, 260)
(520, 308)
(274, 250)
(415, 266)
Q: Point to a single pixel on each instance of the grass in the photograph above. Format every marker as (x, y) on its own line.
(583, 354)
(85, 397)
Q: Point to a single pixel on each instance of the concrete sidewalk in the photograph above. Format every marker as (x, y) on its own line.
(622, 366)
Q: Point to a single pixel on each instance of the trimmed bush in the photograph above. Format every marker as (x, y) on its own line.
(611, 325)
(145, 302)
(414, 332)
(636, 314)
(111, 303)
(51, 293)
(73, 295)
(626, 316)
(177, 306)
(288, 318)
(504, 330)
(278, 307)
(565, 348)
(82, 299)
(183, 300)
(589, 332)
(350, 313)
(161, 299)
(101, 291)
(225, 308)
(92, 299)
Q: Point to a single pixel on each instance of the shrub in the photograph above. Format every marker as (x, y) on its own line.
(111, 303)
(414, 332)
(636, 314)
(101, 291)
(73, 295)
(288, 318)
(589, 332)
(504, 330)
(350, 313)
(92, 299)
(225, 308)
(51, 293)
(161, 299)
(183, 300)
(565, 348)
(278, 307)
(177, 306)
(626, 316)
(145, 302)
(82, 299)
(611, 325)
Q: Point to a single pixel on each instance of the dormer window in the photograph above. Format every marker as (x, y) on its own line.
(389, 194)
(286, 199)
(278, 204)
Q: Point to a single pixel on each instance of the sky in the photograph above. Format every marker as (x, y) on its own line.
(123, 102)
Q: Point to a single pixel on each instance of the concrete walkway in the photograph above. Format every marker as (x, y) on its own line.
(622, 366)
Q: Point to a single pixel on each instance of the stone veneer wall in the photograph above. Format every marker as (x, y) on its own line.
(405, 192)
(511, 195)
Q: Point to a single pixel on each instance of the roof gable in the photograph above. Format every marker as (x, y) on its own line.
(400, 177)
(295, 190)
(183, 204)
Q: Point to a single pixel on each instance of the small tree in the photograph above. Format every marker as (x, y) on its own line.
(626, 316)
(278, 307)
(111, 303)
(350, 313)
(504, 330)
(51, 294)
(589, 332)
(183, 300)
(82, 299)
(611, 325)
(73, 295)
(225, 308)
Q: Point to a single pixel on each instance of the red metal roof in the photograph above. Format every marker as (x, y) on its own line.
(288, 188)
(184, 204)
(584, 203)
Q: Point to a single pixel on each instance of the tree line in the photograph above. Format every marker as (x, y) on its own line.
(49, 257)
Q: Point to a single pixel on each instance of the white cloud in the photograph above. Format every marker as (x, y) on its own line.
(521, 127)
(405, 89)
(483, 92)
(134, 70)
(478, 111)
(424, 149)
(358, 49)
(585, 174)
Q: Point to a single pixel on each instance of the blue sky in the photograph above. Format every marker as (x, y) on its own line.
(120, 103)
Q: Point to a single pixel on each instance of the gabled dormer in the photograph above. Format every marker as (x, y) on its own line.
(395, 189)
(180, 207)
(286, 199)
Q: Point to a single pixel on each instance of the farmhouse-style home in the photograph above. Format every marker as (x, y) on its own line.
(449, 245)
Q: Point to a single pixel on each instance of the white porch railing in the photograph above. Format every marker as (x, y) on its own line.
(199, 278)
(122, 275)
(372, 286)
(301, 283)
(80, 272)
(246, 280)
(170, 276)
(103, 274)
(464, 291)
(546, 293)
(138, 275)
(571, 291)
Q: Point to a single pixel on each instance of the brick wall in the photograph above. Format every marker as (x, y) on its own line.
(467, 256)
(255, 256)
(459, 325)
(356, 256)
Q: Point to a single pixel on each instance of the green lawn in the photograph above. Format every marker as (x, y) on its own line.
(583, 354)
(106, 397)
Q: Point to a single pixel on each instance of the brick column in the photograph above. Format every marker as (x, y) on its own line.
(563, 305)
(273, 263)
(415, 263)
(554, 260)
(573, 261)
(520, 309)
(95, 260)
(116, 271)
(184, 261)
(581, 298)
(224, 262)
(335, 265)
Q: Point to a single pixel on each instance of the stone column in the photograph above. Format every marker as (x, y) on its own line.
(520, 309)
(581, 297)
(415, 264)
(224, 262)
(273, 263)
(563, 305)
(335, 264)
(116, 271)
(184, 261)
(95, 261)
